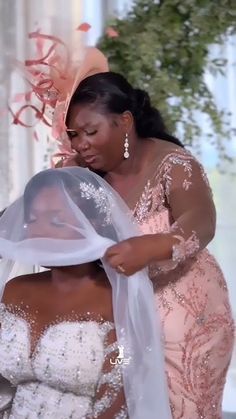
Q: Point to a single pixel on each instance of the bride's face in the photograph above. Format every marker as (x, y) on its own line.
(50, 216)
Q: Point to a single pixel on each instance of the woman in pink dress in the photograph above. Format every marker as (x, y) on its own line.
(116, 132)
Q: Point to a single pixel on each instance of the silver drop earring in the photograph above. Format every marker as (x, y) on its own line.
(126, 145)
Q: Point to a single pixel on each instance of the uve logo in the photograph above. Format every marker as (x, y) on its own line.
(120, 359)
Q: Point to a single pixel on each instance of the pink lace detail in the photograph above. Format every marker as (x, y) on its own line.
(182, 160)
(185, 248)
(151, 200)
(191, 294)
(156, 193)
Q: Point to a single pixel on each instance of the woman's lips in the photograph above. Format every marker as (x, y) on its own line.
(89, 159)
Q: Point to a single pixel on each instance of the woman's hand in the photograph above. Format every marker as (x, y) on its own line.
(73, 160)
(129, 256)
(134, 254)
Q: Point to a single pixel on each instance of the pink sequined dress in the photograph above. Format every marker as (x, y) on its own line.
(191, 292)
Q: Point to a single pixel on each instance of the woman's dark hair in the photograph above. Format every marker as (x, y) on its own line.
(114, 94)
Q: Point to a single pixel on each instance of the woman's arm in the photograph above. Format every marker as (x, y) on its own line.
(189, 199)
(192, 209)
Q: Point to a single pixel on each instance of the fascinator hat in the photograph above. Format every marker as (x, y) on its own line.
(93, 62)
(53, 76)
(92, 217)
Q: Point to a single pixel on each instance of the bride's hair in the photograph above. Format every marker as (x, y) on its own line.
(114, 94)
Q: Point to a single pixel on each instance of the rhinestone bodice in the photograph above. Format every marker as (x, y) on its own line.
(58, 378)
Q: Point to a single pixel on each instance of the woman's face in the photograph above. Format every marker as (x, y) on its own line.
(49, 216)
(98, 138)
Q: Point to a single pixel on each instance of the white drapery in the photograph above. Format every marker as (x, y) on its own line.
(21, 155)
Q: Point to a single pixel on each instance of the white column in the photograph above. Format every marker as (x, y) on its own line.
(93, 13)
(97, 13)
(7, 48)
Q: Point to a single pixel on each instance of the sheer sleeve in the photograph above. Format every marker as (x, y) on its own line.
(109, 399)
(189, 199)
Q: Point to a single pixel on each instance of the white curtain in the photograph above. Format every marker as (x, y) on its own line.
(21, 155)
(7, 47)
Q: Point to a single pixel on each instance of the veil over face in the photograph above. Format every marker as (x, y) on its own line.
(71, 216)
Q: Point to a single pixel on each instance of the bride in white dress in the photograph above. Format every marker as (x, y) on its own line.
(60, 378)
(79, 340)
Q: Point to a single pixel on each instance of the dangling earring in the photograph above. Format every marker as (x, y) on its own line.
(126, 145)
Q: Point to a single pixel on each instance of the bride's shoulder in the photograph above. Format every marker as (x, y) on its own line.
(19, 286)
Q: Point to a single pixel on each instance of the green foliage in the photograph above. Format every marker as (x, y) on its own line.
(163, 47)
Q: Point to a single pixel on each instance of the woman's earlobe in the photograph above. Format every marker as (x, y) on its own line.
(128, 121)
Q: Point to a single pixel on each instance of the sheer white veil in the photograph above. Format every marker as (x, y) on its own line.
(91, 218)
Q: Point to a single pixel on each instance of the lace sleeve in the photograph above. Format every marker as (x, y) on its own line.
(109, 399)
(191, 206)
